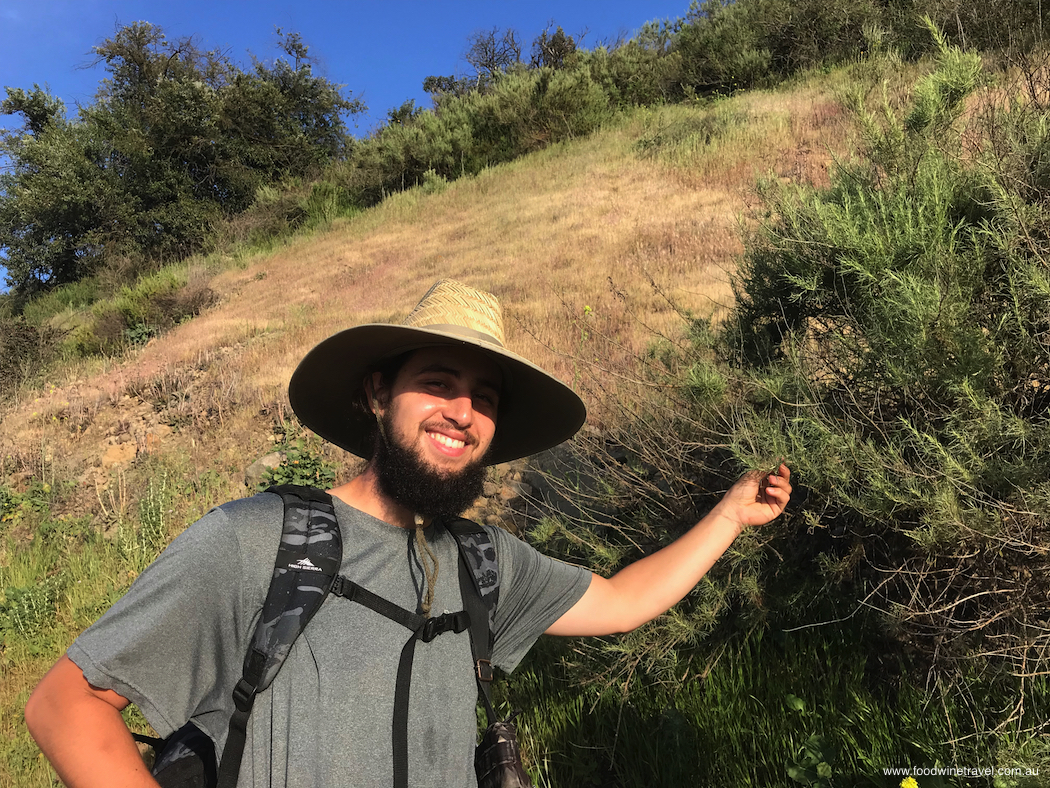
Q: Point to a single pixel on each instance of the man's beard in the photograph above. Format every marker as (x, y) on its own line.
(406, 478)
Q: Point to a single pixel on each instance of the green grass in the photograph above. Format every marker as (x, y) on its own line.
(50, 589)
(60, 572)
(65, 299)
(745, 713)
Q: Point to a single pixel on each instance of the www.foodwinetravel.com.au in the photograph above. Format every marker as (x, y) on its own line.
(955, 771)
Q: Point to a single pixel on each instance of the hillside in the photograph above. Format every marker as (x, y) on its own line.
(551, 235)
(847, 273)
(592, 246)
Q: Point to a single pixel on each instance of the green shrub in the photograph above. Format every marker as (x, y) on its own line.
(889, 341)
(139, 312)
(276, 211)
(9, 504)
(891, 334)
(302, 461)
(637, 75)
(520, 112)
(140, 545)
(27, 610)
(325, 203)
(889, 338)
(727, 46)
(24, 349)
(66, 298)
(433, 183)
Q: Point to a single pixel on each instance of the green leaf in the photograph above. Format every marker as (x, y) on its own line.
(801, 775)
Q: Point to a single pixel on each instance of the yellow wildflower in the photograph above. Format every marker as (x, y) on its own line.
(909, 782)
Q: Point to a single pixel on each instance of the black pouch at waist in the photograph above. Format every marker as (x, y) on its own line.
(186, 760)
(497, 760)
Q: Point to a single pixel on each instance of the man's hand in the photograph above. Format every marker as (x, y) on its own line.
(757, 497)
(645, 589)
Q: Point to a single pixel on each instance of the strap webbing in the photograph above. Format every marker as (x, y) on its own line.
(348, 589)
(425, 629)
(400, 725)
(234, 750)
(153, 741)
(479, 634)
(243, 700)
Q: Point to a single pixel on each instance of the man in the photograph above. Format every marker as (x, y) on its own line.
(430, 403)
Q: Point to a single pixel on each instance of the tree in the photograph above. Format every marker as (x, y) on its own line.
(52, 197)
(658, 35)
(176, 138)
(439, 86)
(491, 52)
(552, 50)
(404, 114)
(39, 108)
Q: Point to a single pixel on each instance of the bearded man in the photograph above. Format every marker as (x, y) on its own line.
(431, 403)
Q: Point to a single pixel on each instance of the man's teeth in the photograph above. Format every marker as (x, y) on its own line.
(444, 440)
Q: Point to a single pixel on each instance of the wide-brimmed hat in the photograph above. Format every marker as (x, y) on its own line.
(536, 410)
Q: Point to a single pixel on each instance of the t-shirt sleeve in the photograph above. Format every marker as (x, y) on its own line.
(175, 643)
(535, 591)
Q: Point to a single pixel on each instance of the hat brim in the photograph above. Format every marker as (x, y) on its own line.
(537, 411)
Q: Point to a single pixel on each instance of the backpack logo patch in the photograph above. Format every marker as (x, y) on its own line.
(305, 564)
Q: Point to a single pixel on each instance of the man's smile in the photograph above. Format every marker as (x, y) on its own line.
(447, 441)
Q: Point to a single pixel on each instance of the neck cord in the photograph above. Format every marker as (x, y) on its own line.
(430, 566)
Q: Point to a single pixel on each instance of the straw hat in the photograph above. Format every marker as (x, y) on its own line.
(536, 411)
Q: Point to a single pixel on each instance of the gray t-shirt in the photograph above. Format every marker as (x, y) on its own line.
(175, 643)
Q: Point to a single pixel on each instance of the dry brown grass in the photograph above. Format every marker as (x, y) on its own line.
(570, 239)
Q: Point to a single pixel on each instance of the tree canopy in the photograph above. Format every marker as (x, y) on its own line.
(176, 137)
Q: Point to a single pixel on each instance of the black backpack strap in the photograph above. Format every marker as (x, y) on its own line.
(478, 552)
(422, 628)
(479, 587)
(307, 563)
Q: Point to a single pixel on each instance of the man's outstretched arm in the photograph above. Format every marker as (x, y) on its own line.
(648, 587)
(80, 730)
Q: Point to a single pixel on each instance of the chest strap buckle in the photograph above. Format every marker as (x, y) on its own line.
(447, 622)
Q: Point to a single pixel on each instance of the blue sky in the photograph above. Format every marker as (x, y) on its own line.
(381, 51)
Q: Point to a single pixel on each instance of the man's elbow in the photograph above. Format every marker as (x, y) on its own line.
(628, 624)
(55, 699)
(618, 621)
(41, 710)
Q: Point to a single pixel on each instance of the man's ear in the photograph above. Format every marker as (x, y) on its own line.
(372, 383)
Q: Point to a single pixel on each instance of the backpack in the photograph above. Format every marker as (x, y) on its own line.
(305, 572)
